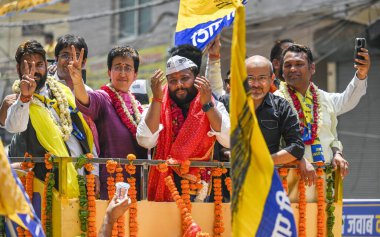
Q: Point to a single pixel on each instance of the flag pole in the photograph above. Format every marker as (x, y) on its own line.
(10, 227)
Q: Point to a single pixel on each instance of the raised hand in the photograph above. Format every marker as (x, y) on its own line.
(363, 65)
(75, 66)
(204, 88)
(214, 49)
(27, 84)
(156, 84)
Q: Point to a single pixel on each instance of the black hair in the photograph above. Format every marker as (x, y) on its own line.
(298, 48)
(124, 51)
(276, 50)
(188, 51)
(67, 41)
(29, 47)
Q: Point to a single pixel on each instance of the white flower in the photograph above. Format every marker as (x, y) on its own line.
(134, 103)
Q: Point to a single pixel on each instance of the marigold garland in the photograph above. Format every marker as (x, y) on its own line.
(129, 120)
(330, 208)
(187, 219)
(218, 198)
(91, 205)
(302, 208)
(320, 201)
(28, 165)
(283, 172)
(185, 167)
(121, 220)
(111, 168)
(83, 212)
(132, 193)
(185, 187)
(65, 124)
(316, 112)
(228, 182)
(47, 199)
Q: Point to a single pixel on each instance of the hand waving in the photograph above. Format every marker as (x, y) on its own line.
(75, 66)
(204, 88)
(156, 84)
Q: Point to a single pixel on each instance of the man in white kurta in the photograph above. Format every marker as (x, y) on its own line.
(298, 68)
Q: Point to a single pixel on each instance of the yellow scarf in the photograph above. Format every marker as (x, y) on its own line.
(49, 136)
(306, 105)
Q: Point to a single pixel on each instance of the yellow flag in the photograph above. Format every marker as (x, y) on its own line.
(13, 202)
(259, 205)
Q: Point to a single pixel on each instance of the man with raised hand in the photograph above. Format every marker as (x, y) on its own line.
(182, 122)
(317, 110)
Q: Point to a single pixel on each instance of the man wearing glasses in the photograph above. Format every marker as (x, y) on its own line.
(276, 118)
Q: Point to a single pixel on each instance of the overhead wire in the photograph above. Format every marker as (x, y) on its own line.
(86, 17)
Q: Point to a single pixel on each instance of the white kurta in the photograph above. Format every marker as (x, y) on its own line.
(333, 105)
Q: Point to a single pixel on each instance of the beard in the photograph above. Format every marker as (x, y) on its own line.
(41, 81)
(190, 95)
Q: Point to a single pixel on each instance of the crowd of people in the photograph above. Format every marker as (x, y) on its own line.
(187, 119)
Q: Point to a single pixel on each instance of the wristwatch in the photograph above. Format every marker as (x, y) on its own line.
(339, 152)
(207, 107)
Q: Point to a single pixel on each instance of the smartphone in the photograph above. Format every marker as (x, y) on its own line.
(359, 43)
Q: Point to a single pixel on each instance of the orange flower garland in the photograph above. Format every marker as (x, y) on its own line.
(91, 205)
(132, 193)
(28, 166)
(185, 167)
(186, 198)
(302, 208)
(228, 182)
(320, 201)
(186, 217)
(218, 197)
(163, 167)
(47, 199)
(121, 220)
(283, 172)
(111, 168)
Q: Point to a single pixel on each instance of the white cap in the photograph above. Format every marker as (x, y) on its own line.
(138, 86)
(178, 63)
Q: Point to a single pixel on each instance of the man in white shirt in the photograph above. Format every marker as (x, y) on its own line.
(44, 117)
(183, 121)
(318, 110)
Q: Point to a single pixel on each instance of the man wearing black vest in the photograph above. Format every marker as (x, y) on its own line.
(44, 117)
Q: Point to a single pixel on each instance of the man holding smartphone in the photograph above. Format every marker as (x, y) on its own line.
(318, 110)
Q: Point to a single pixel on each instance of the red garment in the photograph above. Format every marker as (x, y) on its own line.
(273, 88)
(191, 143)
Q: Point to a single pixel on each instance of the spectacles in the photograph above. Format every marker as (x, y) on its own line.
(119, 69)
(259, 79)
(68, 57)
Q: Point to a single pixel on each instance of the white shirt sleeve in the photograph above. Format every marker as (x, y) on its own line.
(350, 97)
(144, 136)
(214, 75)
(17, 117)
(223, 136)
